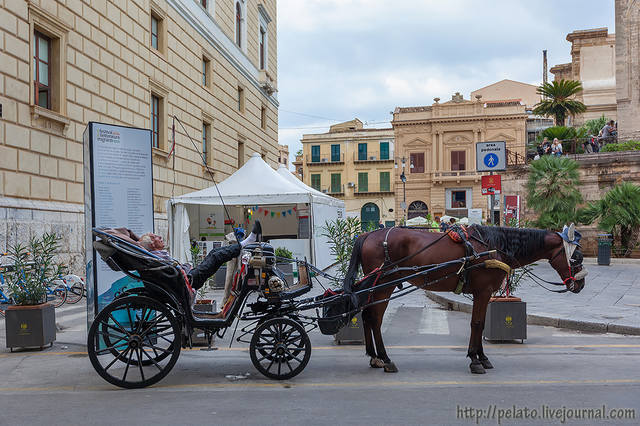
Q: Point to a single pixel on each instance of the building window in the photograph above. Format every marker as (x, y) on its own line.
(336, 183)
(263, 117)
(238, 24)
(206, 143)
(417, 208)
(240, 154)
(42, 70)
(384, 150)
(385, 182)
(240, 99)
(459, 199)
(315, 153)
(335, 152)
(155, 32)
(155, 121)
(315, 182)
(363, 182)
(458, 160)
(263, 47)
(206, 72)
(362, 152)
(417, 162)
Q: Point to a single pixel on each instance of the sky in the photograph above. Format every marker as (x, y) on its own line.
(345, 59)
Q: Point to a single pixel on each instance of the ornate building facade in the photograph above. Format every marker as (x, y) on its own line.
(628, 68)
(356, 165)
(436, 144)
(212, 64)
(593, 63)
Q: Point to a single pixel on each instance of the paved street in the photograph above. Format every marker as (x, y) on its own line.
(555, 367)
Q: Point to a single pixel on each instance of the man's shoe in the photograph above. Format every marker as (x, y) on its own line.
(257, 230)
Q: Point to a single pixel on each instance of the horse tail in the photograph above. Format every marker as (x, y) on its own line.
(354, 263)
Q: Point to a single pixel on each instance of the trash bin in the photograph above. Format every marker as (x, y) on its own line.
(604, 249)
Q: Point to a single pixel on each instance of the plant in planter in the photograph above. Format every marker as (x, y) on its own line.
(342, 235)
(31, 321)
(283, 255)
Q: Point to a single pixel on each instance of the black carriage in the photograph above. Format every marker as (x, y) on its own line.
(136, 340)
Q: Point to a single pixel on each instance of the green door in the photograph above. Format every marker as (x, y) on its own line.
(369, 216)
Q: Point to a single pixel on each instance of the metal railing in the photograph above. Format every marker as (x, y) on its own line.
(372, 156)
(324, 159)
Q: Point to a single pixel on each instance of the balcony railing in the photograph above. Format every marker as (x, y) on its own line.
(372, 156)
(324, 159)
(374, 188)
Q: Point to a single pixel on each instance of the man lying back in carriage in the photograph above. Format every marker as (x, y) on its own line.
(198, 275)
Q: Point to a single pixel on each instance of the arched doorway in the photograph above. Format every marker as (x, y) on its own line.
(417, 208)
(369, 216)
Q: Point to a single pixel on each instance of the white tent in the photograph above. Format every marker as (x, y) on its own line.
(417, 221)
(257, 184)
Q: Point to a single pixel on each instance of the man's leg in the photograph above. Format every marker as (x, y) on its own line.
(211, 264)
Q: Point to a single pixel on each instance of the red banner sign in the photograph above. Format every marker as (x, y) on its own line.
(511, 208)
(491, 185)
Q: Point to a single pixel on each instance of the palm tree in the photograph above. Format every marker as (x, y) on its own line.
(552, 190)
(618, 213)
(557, 100)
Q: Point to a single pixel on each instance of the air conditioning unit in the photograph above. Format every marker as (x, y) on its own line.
(325, 160)
(324, 191)
(372, 158)
(351, 185)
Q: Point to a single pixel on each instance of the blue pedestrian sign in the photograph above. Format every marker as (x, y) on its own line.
(491, 156)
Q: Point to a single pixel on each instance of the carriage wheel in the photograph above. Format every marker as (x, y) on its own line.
(134, 342)
(280, 348)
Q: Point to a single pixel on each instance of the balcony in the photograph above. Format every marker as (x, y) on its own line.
(372, 157)
(374, 189)
(456, 176)
(334, 191)
(323, 160)
(267, 83)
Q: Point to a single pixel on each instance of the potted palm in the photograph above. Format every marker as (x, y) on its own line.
(31, 321)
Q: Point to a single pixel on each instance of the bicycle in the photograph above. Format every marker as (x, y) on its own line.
(58, 294)
(76, 291)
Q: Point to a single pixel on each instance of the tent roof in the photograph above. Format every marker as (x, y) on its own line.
(255, 183)
(317, 195)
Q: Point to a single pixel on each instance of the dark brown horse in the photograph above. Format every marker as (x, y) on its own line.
(514, 246)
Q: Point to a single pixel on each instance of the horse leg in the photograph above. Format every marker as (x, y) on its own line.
(374, 361)
(376, 316)
(480, 302)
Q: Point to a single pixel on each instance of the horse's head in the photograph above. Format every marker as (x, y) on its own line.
(566, 258)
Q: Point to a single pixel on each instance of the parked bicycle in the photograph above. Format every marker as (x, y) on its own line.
(75, 288)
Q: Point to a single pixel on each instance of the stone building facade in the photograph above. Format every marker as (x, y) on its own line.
(628, 68)
(356, 165)
(437, 145)
(593, 63)
(212, 64)
(283, 155)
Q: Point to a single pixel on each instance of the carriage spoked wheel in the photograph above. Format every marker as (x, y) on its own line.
(280, 348)
(134, 342)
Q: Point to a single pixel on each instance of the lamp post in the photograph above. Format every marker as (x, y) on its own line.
(403, 178)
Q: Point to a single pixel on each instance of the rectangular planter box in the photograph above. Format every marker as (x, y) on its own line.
(30, 326)
(352, 333)
(506, 320)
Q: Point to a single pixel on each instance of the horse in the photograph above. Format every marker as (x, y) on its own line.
(384, 252)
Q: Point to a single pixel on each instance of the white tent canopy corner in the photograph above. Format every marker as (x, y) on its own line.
(256, 184)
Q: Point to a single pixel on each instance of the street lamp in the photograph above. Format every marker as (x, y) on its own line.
(403, 178)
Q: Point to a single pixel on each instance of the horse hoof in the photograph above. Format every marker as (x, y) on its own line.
(376, 363)
(477, 368)
(390, 367)
(486, 363)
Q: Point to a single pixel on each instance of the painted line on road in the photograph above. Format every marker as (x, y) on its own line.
(359, 348)
(376, 384)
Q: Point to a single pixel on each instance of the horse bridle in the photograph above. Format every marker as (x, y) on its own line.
(570, 265)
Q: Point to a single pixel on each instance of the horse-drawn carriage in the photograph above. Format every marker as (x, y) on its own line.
(136, 340)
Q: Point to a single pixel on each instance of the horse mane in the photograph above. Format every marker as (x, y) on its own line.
(515, 242)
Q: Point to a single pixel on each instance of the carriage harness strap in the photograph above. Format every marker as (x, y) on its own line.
(459, 234)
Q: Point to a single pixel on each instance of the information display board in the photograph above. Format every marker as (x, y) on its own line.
(491, 185)
(491, 156)
(118, 192)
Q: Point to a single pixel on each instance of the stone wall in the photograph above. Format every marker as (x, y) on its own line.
(598, 174)
(628, 68)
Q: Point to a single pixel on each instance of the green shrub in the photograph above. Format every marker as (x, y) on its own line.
(342, 234)
(284, 253)
(622, 146)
